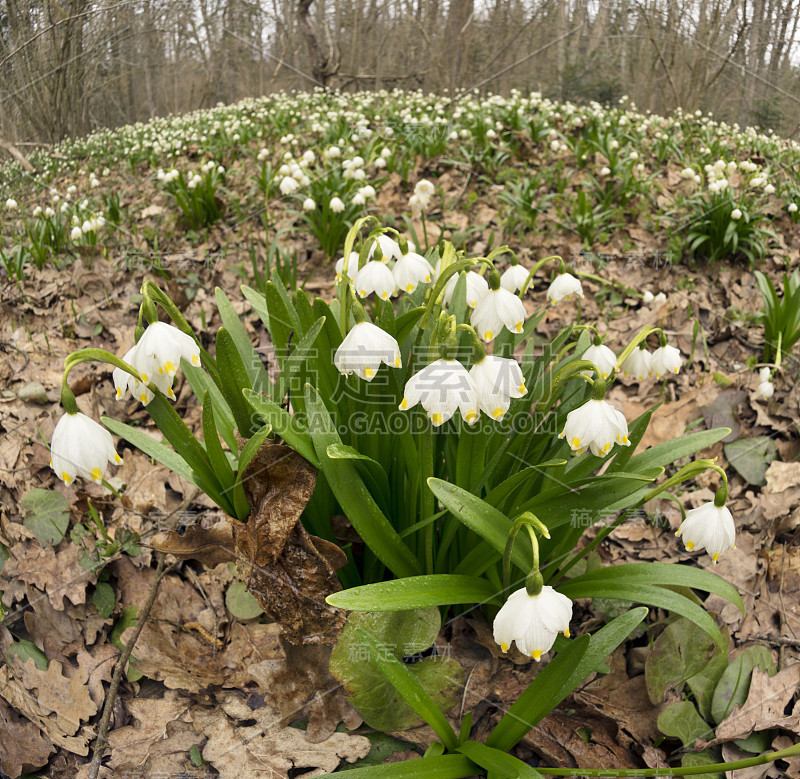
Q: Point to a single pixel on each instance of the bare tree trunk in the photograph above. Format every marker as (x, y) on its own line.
(323, 65)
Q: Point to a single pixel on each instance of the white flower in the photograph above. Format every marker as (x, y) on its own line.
(736, 214)
(563, 287)
(603, 357)
(514, 276)
(124, 381)
(765, 390)
(358, 199)
(605, 171)
(410, 270)
(442, 387)
(533, 621)
(158, 355)
(76, 234)
(364, 348)
(80, 446)
(660, 298)
(375, 277)
(288, 185)
(498, 380)
(11, 204)
(496, 308)
(666, 359)
(710, 527)
(309, 204)
(424, 188)
(352, 267)
(336, 205)
(792, 208)
(380, 163)
(367, 191)
(389, 248)
(596, 425)
(477, 287)
(639, 364)
(764, 374)
(648, 296)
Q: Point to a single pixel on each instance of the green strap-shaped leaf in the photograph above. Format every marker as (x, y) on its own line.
(493, 760)
(441, 767)
(669, 452)
(299, 356)
(288, 427)
(409, 687)
(249, 451)
(416, 592)
(219, 462)
(560, 677)
(354, 498)
(201, 382)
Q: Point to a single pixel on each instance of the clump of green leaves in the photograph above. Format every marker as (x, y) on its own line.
(780, 315)
(101, 547)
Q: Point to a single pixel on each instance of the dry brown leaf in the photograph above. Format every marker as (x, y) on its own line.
(268, 750)
(765, 706)
(169, 756)
(56, 632)
(280, 564)
(98, 665)
(210, 546)
(24, 749)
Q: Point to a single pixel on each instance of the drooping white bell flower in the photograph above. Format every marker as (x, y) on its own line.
(158, 355)
(336, 205)
(765, 390)
(498, 307)
(363, 350)
(708, 527)
(309, 204)
(514, 277)
(288, 185)
(498, 379)
(563, 287)
(666, 359)
(638, 364)
(477, 287)
(124, 381)
(533, 621)
(375, 277)
(389, 248)
(81, 446)
(442, 387)
(603, 357)
(410, 270)
(596, 425)
(352, 267)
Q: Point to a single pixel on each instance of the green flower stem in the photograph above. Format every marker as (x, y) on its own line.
(637, 339)
(568, 372)
(609, 283)
(536, 267)
(478, 349)
(532, 523)
(424, 228)
(436, 292)
(694, 770)
(427, 497)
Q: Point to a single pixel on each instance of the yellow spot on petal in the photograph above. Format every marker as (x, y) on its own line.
(143, 398)
(504, 646)
(397, 362)
(119, 392)
(161, 371)
(522, 389)
(436, 418)
(675, 370)
(497, 413)
(169, 367)
(117, 458)
(690, 545)
(518, 327)
(575, 443)
(195, 360)
(488, 335)
(471, 414)
(51, 462)
(678, 533)
(95, 473)
(145, 378)
(363, 293)
(409, 287)
(536, 655)
(715, 558)
(385, 295)
(368, 373)
(428, 277)
(65, 477)
(566, 632)
(404, 404)
(658, 375)
(605, 448)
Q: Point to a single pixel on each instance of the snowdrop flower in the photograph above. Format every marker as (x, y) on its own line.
(792, 208)
(352, 266)
(124, 381)
(639, 364)
(477, 287)
(288, 185)
(309, 157)
(358, 199)
(367, 191)
(498, 380)
(596, 425)
(49, 213)
(363, 350)
(389, 248)
(309, 204)
(605, 171)
(765, 390)
(11, 204)
(496, 308)
(533, 621)
(513, 278)
(375, 277)
(603, 357)
(76, 234)
(442, 387)
(424, 188)
(158, 355)
(563, 287)
(336, 205)
(37, 211)
(648, 296)
(708, 527)
(666, 359)
(380, 163)
(736, 214)
(410, 270)
(81, 446)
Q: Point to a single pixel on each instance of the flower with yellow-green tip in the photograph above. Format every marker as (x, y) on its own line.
(375, 277)
(595, 425)
(363, 350)
(639, 364)
(514, 278)
(411, 270)
(708, 527)
(124, 381)
(443, 387)
(564, 287)
(81, 447)
(498, 379)
(477, 287)
(666, 359)
(158, 354)
(532, 621)
(603, 357)
(498, 308)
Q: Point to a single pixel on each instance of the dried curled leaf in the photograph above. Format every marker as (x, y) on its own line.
(24, 747)
(208, 545)
(289, 572)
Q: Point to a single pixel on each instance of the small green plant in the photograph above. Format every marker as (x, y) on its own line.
(196, 195)
(101, 547)
(780, 315)
(524, 203)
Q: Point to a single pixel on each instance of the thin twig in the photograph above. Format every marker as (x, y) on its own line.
(101, 742)
(777, 640)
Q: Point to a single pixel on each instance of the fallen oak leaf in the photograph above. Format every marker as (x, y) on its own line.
(24, 747)
(209, 546)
